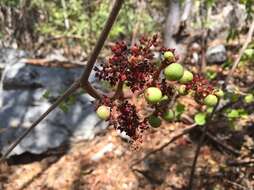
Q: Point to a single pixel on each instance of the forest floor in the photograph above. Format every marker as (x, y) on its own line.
(109, 162)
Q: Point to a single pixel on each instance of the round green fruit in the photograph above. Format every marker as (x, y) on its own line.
(103, 112)
(174, 71)
(211, 100)
(153, 95)
(169, 115)
(154, 121)
(219, 93)
(169, 56)
(187, 77)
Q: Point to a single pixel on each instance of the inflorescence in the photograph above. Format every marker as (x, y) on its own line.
(153, 78)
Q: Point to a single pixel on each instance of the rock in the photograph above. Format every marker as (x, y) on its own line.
(22, 101)
(232, 15)
(216, 54)
(8, 54)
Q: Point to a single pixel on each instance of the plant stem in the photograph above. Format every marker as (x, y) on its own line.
(100, 42)
(200, 143)
(81, 82)
(245, 45)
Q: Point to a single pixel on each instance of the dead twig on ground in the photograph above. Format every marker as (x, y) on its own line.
(55, 63)
(160, 148)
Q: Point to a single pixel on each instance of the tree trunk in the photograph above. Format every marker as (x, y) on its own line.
(172, 23)
(175, 26)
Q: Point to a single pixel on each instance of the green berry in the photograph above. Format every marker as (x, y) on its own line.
(103, 112)
(154, 121)
(169, 115)
(187, 77)
(164, 98)
(249, 98)
(153, 95)
(219, 93)
(174, 71)
(169, 56)
(182, 90)
(210, 100)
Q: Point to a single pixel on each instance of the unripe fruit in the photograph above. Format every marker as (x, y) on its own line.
(103, 112)
(169, 115)
(219, 93)
(174, 71)
(154, 121)
(210, 100)
(169, 56)
(164, 98)
(187, 77)
(249, 98)
(153, 95)
(182, 90)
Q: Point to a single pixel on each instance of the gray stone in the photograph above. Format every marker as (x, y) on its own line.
(21, 102)
(216, 54)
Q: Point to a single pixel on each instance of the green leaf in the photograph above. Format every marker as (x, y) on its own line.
(200, 118)
(249, 98)
(233, 114)
(46, 95)
(211, 74)
(234, 97)
(243, 113)
(180, 108)
(71, 100)
(64, 107)
(249, 53)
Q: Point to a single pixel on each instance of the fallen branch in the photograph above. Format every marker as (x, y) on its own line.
(241, 163)
(55, 63)
(160, 148)
(225, 146)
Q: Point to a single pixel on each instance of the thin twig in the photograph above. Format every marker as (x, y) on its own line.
(173, 139)
(66, 20)
(200, 143)
(66, 94)
(245, 45)
(83, 80)
(119, 90)
(104, 34)
(225, 146)
(236, 184)
(240, 163)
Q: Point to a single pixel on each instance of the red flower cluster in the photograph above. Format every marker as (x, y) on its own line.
(128, 120)
(201, 86)
(135, 65)
(139, 69)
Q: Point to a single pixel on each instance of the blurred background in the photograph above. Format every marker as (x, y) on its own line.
(44, 46)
